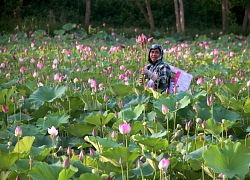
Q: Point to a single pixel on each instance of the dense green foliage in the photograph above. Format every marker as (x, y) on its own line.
(199, 14)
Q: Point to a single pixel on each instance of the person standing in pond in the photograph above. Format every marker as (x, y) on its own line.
(157, 72)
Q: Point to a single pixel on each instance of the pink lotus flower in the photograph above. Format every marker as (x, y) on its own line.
(124, 128)
(232, 54)
(163, 164)
(200, 81)
(122, 67)
(18, 131)
(248, 83)
(3, 65)
(150, 40)
(40, 65)
(57, 76)
(22, 69)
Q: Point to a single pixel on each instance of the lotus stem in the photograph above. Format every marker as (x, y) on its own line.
(126, 145)
(122, 172)
(142, 177)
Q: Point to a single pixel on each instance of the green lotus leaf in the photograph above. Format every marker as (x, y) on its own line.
(22, 166)
(152, 143)
(195, 164)
(102, 34)
(151, 115)
(232, 88)
(19, 117)
(169, 102)
(43, 171)
(24, 145)
(79, 129)
(238, 104)
(197, 154)
(46, 94)
(41, 111)
(222, 113)
(82, 169)
(136, 127)
(51, 120)
(31, 85)
(131, 112)
(8, 159)
(121, 90)
(59, 32)
(6, 93)
(231, 160)
(69, 26)
(92, 105)
(89, 176)
(39, 153)
(98, 119)
(213, 127)
(101, 143)
(67, 173)
(247, 106)
(146, 169)
(113, 156)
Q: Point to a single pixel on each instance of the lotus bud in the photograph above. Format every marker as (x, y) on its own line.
(18, 131)
(81, 156)
(94, 132)
(66, 163)
(204, 124)
(164, 109)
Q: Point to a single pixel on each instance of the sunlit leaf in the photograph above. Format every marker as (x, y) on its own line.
(67, 173)
(113, 156)
(7, 160)
(247, 106)
(120, 90)
(24, 145)
(89, 176)
(92, 105)
(101, 143)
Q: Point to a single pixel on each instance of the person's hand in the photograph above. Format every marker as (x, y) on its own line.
(142, 71)
(141, 80)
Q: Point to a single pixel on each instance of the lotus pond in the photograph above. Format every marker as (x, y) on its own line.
(72, 108)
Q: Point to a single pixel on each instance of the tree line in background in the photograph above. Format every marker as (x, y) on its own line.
(167, 15)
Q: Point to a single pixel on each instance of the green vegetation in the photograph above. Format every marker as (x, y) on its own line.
(122, 16)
